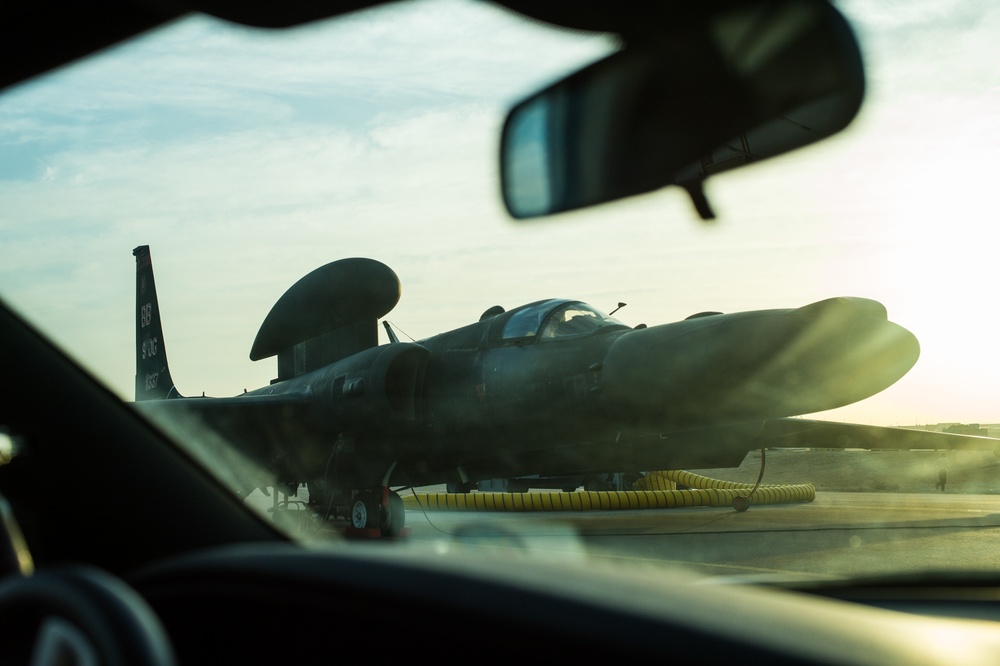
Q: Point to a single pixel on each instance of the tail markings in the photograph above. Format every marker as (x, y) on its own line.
(152, 374)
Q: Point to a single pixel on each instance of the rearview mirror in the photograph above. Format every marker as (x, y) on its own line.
(676, 105)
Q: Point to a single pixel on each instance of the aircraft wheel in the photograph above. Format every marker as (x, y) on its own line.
(395, 517)
(365, 511)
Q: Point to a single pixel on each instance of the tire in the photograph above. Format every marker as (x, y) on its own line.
(395, 519)
(365, 511)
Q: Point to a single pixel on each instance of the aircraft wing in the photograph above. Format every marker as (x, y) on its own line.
(726, 446)
(283, 433)
(807, 433)
(715, 447)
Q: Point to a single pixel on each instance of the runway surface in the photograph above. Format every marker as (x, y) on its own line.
(839, 534)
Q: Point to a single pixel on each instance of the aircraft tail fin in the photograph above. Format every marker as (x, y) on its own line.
(152, 374)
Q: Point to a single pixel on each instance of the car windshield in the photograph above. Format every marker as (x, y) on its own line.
(235, 162)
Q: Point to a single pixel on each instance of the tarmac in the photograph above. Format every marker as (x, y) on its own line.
(874, 527)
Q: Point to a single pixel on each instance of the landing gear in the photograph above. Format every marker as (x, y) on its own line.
(601, 482)
(394, 518)
(365, 511)
(377, 511)
(742, 502)
(370, 512)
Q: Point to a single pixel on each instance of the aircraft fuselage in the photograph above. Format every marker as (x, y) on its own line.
(498, 399)
(552, 387)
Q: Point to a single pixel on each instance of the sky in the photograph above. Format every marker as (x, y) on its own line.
(246, 159)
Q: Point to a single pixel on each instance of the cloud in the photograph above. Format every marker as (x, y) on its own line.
(247, 159)
(918, 46)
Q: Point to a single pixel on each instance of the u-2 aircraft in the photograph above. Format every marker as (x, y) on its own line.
(551, 387)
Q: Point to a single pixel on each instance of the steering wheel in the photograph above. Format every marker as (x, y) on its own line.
(78, 615)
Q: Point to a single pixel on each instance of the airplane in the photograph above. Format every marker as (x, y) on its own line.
(552, 387)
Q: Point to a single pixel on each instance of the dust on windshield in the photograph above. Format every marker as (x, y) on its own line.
(376, 136)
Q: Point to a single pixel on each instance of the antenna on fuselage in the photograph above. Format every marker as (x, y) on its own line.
(389, 331)
(620, 306)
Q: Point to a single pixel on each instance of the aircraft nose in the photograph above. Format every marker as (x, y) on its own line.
(755, 365)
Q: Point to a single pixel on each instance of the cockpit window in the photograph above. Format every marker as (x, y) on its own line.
(525, 322)
(576, 319)
(556, 319)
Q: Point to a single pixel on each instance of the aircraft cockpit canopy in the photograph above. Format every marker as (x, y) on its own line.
(557, 318)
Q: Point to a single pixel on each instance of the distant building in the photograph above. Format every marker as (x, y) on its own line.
(970, 429)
